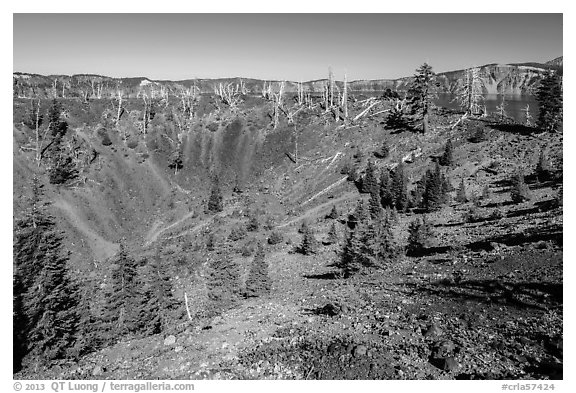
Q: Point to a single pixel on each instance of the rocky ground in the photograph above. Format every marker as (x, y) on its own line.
(485, 301)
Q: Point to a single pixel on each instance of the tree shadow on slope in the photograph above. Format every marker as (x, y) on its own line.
(534, 295)
(335, 275)
(551, 233)
(514, 128)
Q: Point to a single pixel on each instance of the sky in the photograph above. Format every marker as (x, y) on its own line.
(277, 46)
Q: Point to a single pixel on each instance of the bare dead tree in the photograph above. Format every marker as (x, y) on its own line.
(527, 115)
(278, 101)
(229, 95)
(470, 94)
(344, 102)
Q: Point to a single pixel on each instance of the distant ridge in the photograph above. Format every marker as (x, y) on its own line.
(514, 78)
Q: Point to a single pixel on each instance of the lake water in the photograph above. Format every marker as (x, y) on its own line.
(515, 104)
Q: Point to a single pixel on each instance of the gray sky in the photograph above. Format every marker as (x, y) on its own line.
(278, 46)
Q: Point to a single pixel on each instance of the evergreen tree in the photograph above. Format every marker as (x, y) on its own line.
(215, 202)
(122, 301)
(543, 170)
(435, 192)
(386, 195)
(91, 334)
(332, 235)
(359, 215)
(258, 282)
(397, 120)
(223, 283)
(62, 168)
(400, 188)
(45, 302)
(519, 191)
(417, 199)
(370, 244)
(304, 227)
(309, 243)
(461, 193)
(333, 213)
(419, 236)
(352, 258)
(369, 182)
(374, 205)
(56, 125)
(422, 92)
(447, 159)
(159, 306)
(550, 101)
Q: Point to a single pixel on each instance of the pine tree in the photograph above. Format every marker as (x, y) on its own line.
(374, 205)
(62, 168)
(369, 182)
(419, 236)
(309, 243)
(461, 193)
(215, 202)
(351, 258)
(543, 171)
(397, 120)
(435, 192)
(258, 282)
(56, 125)
(333, 213)
(386, 195)
(447, 159)
(519, 192)
(159, 306)
(122, 301)
(359, 215)
(332, 235)
(91, 335)
(45, 302)
(400, 188)
(550, 101)
(223, 284)
(422, 92)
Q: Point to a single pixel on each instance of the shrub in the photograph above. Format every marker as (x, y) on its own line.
(383, 152)
(472, 214)
(253, 223)
(275, 238)
(478, 133)
(237, 233)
